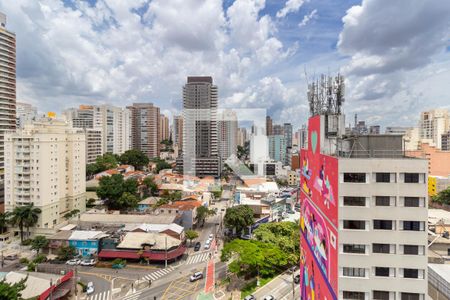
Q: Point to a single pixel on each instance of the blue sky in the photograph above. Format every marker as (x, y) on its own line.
(395, 60)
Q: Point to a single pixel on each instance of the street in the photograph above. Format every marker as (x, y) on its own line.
(280, 288)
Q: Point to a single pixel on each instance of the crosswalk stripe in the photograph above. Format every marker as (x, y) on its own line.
(197, 258)
(100, 296)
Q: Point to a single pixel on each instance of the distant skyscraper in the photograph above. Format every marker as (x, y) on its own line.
(374, 129)
(259, 151)
(7, 91)
(269, 130)
(228, 133)
(164, 133)
(303, 137)
(177, 131)
(113, 123)
(432, 125)
(445, 141)
(145, 125)
(200, 134)
(277, 130)
(242, 136)
(25, 113)
(287, 130)
(277, 148)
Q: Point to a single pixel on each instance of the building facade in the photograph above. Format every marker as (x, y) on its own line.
(277, 147)
(432, 125)
(445, 141)
(164, 133)
(94, 145)
(177, 131)
(25, 113)
(7, 91)
(228, 134)
(46, 167)
(145, 127)
(269, 124)
(200, 130)
(363, 217)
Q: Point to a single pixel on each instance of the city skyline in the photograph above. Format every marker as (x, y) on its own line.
(111, 57)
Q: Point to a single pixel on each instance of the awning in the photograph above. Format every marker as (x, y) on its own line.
(118, 254)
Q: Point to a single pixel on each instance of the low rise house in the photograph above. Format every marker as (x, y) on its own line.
(86, 242)
(173, 230)
(147, 203)
(149, 246)
(186, 210)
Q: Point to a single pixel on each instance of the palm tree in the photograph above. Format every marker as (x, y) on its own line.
(17, 219)
(31, 215)
(24, 216)
(3, 221)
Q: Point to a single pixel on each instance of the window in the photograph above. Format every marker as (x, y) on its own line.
(383, 177)
(410, 296)
(354, 201)
(348, 295)
(355, 177)
(380, 295)
(382, 271)
(351, 248)
(410, 273)
(354, 224)
(381, 248)
(382, 224)
(411, 177)
(382, 201)
(411, 249)
(411, 225)
(412, 202)
(354, 272)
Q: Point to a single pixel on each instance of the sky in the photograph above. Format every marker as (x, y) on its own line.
(395, 55)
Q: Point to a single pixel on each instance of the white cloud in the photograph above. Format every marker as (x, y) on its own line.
(307, 18)
(291, 6)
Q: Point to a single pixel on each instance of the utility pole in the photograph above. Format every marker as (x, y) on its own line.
(293, 285)
(166, 250)
(3, 261)
(51, 289)
(75, 282)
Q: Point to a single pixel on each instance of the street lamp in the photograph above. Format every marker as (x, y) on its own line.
(112, 287)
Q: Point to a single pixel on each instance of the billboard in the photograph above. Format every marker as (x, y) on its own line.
(318, 220)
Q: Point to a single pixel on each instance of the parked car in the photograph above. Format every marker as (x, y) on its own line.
(90, 288)
(88, 262)
(269, 297)
(297, 279)
(207, 246)
(246, 237)
(211, 236)
(196, 276)
(73, 262)
(250, 297)
(292, 269)
(197, 246)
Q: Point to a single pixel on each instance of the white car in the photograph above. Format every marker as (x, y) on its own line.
(73, 262)
(88, 262)
(90, 288)
(196, 276)
(269, 297)
(207, 246)
(211, 236)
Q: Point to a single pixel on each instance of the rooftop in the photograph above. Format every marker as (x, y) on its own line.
(436, 215)
(137, 240)
(82, 235)
(155, 227)
(118, 219)
(442, 270)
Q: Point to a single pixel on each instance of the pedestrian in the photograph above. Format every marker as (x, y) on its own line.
(149, 283)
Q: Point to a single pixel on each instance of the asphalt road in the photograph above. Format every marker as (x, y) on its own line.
(280, 288)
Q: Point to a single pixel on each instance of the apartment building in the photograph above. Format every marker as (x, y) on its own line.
(228, 130)
(94, 145)
(269, 124)
(432, 125)
(145, 128)
(364, 216)
(164, 133)
(277, 148)
(7, 91)
(177, 131)
(112, 122)
(25, 113)
(46, 166)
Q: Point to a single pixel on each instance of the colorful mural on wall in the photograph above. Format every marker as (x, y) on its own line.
(319, 219)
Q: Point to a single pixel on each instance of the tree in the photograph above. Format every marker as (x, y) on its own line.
(202, 213)
(66, 252)
(191, 235)
(12, 291)
(90, 203)
(443, 197)
(110, 187)
(31, 215)
(17, 219)
(172, 196)
(130, 186)
(127, 200)
(151, 186)
(4, 220)
(38, 243)
(253, 257)
(71, 214)
(134, 157)
(107, 161)
(238, 217)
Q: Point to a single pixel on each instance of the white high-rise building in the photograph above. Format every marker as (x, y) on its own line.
(7, 89)
(259, 150)
(94, 146)
(242, 136)
(46, 166)
(432, 125)
(177, 131)
(113, 122)
(228, 126)
(25, 113)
